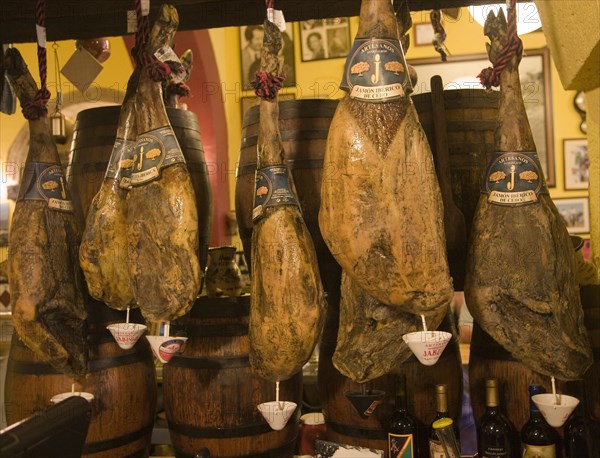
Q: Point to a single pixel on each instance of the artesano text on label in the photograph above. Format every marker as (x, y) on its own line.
(376, 71)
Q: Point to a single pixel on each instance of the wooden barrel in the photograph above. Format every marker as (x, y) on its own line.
(122, 382)
(590, 301)
(304, 125)
(93, 140)
(344, 424)
(471, 118)
(211, 392)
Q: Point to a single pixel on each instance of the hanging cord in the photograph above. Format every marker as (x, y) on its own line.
(157, 70)
(491, 76)
(439, 36)
(37, 108)
(266, 85)
(58, 79)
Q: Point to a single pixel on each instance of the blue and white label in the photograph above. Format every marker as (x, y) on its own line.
(47, 182)
(376, 71)
(154, 151)
(273, 187)
(514, 178)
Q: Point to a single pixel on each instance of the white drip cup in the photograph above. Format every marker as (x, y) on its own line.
(427, 345)
(277, 413)
(556, 414)
(126, 334)
(165, 347)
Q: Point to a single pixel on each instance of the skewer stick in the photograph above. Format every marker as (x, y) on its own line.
(281, 405)
(424, 323)
(73, 387)
(167, 328)
(127, 318)
(556, 396)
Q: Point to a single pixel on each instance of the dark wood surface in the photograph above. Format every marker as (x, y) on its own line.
(66, 19)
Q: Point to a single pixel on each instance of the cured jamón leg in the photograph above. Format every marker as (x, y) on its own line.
(287, 300)
(162, 218)
(521, 280)
(381, 211)
(103, 250)
(45, 281)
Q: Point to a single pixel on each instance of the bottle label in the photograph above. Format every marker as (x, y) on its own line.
(120, 146)
(539, 451)
(436, 450)
(400, 445)
(495, 452)
(154, 151)
(273, 187)
(376, 71)
(514, 179)
(47, 182)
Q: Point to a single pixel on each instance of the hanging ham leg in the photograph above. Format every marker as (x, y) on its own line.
(369, 341)
(381, 211)
(521, 280)
(287, 301)
(162, 219)
(103, 250)
(45, 281)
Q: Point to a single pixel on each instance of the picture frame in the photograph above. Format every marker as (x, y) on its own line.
(576, 214)
(322, 39)
(423, 33)
(251, 37)
(460, 72)
(576, 163)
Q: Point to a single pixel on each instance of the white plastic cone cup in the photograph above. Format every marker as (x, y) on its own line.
(555, 414)
(126, 334)
(277, 414)
(165, 347)
(427, 345)
(62, 396)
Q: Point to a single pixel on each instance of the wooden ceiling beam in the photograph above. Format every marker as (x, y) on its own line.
(72, 19)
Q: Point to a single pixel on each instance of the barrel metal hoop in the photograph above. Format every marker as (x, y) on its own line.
(224, 308)
(116, 442)
(290, 135)
(249, 429)
(99, 364)
(354, 431)
(293, 164)
(95, 365)
(217, 330)
(210, 363)
(278, 452)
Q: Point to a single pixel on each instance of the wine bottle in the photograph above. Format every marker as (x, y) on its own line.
(435, 446)
(582, 434)
(494, 432)
(402, 430)
(538, 438)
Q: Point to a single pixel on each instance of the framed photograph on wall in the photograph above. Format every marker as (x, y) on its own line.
(325, 38)
(576, 214)
(251, 39)
(460, 72)
(577, 163)
(423, 33)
